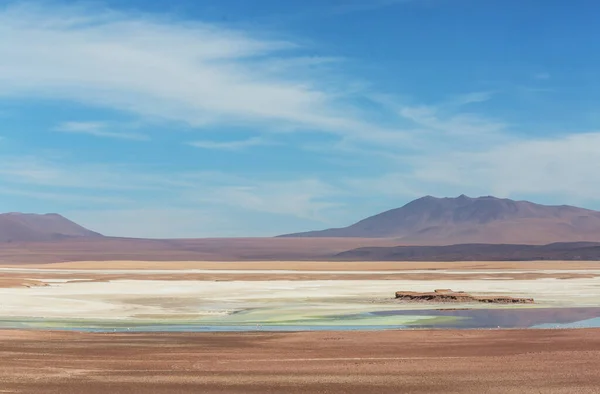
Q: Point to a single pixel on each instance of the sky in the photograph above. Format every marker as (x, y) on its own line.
(226, 118)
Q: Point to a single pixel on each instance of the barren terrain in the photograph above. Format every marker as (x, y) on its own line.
(30, 275)
(490, 361)
(206, 249)
(366, 267)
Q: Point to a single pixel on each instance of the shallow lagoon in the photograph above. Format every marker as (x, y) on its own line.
(374, 320)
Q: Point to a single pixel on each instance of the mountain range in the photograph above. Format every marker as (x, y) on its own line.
(460, 220)
(426, 229)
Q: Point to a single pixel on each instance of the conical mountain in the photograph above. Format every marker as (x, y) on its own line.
(443, 221)
(28, 227)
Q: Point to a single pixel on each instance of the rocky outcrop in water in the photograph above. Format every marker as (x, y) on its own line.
(447, 295)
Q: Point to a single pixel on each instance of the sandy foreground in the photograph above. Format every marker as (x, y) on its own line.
(487, 361)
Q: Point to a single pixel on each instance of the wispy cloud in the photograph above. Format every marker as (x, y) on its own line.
(471, 98)
(98, 129)
(305, 198)
(301, 198)
(62, 197)
(450, 118)
(231, 145)
(466, 124)
(48, 172)
(196, 73)
(560, 166)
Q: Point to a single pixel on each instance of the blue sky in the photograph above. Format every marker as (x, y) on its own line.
(250, 118)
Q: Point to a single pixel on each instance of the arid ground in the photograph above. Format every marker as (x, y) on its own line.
(205, 249)
(490, 361)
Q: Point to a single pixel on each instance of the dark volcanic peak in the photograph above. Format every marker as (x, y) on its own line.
(29, 227)
(463, 219)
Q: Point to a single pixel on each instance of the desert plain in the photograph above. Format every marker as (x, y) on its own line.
(296, 326)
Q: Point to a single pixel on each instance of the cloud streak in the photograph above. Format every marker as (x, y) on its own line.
(231, 145)
(304, 198)
(98, 129)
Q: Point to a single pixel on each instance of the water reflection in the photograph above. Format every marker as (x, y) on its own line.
(504, 318)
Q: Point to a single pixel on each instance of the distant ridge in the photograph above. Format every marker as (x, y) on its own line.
(568, 251)
(460, 220)
(29, 227)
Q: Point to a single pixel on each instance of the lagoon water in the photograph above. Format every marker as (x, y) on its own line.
(541, 318)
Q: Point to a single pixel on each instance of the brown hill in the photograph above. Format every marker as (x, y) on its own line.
(568, 251)
(445, 221)
(22, 227)
(207, 249)
(280, 250)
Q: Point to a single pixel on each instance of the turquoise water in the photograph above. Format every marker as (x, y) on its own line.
(544, 318)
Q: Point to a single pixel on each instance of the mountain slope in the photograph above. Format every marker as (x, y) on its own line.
(435, 221)
(21, 227)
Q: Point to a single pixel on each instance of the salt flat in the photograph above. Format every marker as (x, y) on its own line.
(232, 295)
(122, 299)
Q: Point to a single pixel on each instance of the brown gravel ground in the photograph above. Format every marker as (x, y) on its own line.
(486, 361)
(316, 265)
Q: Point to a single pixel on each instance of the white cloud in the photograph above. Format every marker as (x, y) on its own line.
(559, 168)
(454, 124)
(471, 98)
(304, 198)
(563, 169)
(98, 129)
(195, 73)
(48, 172)
(231, 145)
